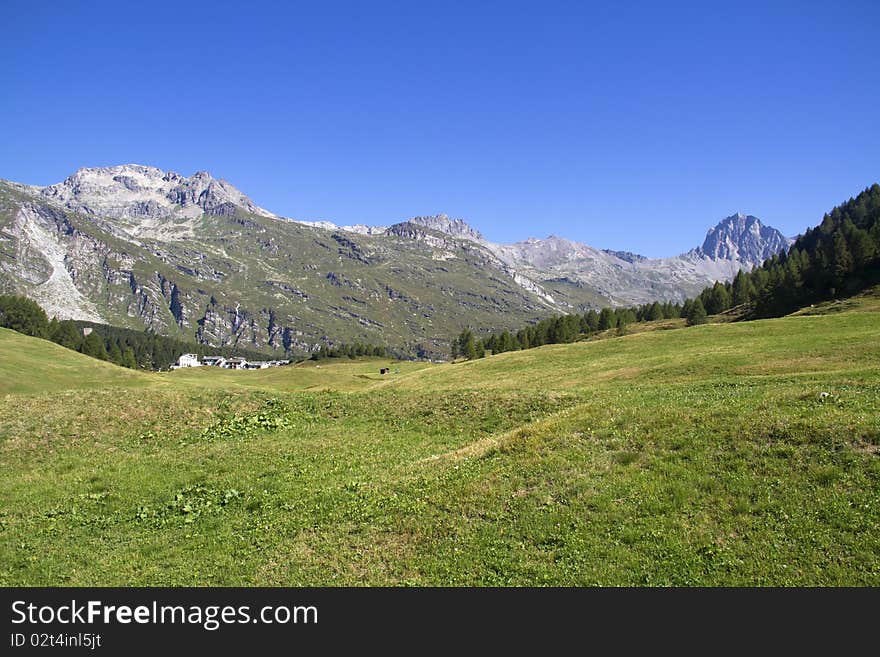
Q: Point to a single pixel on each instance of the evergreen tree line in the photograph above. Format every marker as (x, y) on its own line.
(353, 350)
(125, 347)
(836, 259)
(561, 329)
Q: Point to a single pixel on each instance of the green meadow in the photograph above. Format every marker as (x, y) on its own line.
(739, 453)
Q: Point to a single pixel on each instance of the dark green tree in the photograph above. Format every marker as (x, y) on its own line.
(23, 315)
(467, 346)
(717, 300)
(93, 345)
(607, 319)
(592, 320)
(743, 289)
(128, 359)
(68, 335)
(696, 313)
(114, 354)
(842, 262)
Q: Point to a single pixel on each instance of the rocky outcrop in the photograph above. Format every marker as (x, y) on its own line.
(136, 192)
(626, 256)
(455, 227)
(742, 238)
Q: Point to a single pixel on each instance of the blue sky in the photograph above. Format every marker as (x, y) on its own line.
(625, 125)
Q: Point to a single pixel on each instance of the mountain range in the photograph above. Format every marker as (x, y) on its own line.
(193, 257)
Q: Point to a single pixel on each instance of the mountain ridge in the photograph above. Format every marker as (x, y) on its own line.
(195, 257)
(215, 196)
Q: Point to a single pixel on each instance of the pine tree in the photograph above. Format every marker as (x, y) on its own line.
(466, 345)
(861, 247)
(686, 308)
(607, 319)
(592, 319)
(128, 359)
(718, 299)
(743, 289)
(842, 262)
(114, 354)
(23, 315)
(93, 345)
(697, 314)
(792, 280)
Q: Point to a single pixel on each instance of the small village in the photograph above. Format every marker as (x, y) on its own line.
(233, 363)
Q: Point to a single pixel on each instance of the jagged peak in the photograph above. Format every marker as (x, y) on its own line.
(742, 237)
(443, 224)
(135, 191)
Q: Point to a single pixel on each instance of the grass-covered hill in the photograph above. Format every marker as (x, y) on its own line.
(32, 366)
(722, 454)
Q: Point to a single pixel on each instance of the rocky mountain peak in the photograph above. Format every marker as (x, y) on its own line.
(454, 227)
(742, 238)
(133, 191)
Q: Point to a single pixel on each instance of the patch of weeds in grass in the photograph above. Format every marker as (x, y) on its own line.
(189, 504)
(272, 417)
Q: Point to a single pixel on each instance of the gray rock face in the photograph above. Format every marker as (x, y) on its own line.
(420, 233)
(454, 227)
(742, 238)
(626, 256)
(133, 191)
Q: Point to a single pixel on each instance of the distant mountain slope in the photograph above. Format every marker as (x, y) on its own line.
(195, 258)
(200, 261)
(624, 278)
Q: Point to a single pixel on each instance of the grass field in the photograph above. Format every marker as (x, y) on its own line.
(724, 454)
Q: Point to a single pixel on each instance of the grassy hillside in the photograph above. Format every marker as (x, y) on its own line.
(729, 454)
(33, 366)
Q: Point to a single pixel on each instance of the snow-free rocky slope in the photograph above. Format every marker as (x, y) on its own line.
(194, 257)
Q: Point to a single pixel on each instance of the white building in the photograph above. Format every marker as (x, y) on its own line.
(214, 361)
(187, 360)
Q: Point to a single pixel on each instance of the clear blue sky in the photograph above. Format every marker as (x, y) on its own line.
(625, 125)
